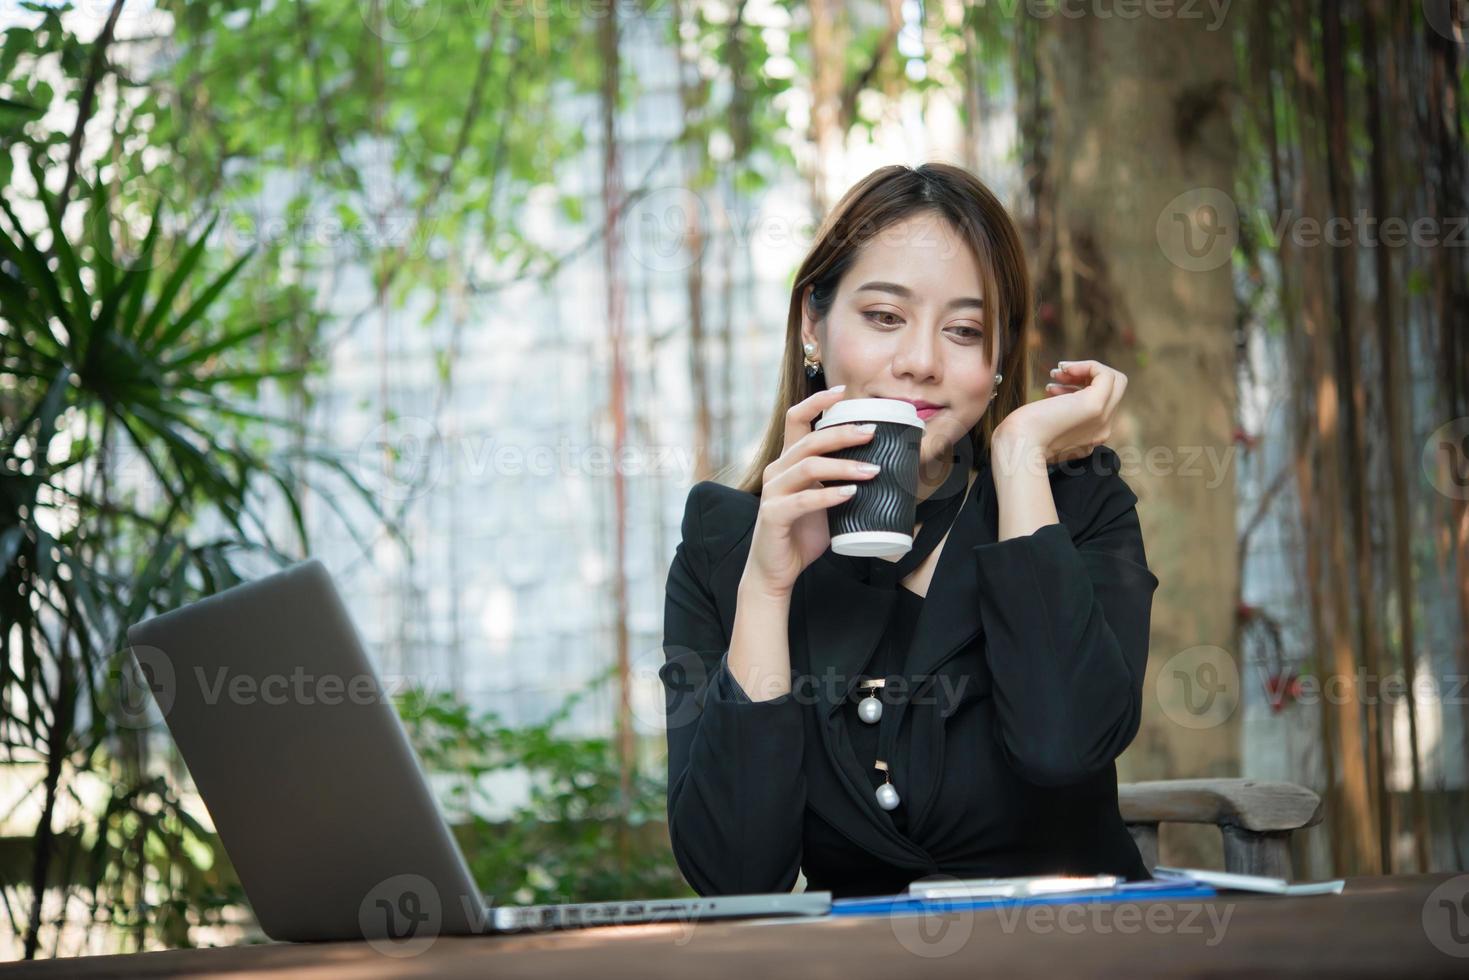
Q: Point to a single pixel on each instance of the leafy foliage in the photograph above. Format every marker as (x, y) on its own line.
(563, 845)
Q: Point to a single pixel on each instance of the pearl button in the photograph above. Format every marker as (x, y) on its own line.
(887, 796)
(869, 709)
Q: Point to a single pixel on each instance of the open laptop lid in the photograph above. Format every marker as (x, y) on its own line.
(303, 764)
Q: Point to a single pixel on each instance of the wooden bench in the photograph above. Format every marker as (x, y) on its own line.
(1255, 817)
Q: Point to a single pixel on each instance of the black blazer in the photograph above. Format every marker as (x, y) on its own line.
(1033, 652)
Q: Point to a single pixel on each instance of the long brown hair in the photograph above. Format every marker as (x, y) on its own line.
(882, 198)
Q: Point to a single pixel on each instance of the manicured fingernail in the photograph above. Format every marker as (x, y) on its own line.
(838, 388)
(867, 427)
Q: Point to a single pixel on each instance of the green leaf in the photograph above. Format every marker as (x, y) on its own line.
(138, 275)
(171, 287)
(229, 341)
(35, 270)
(47, 411)
(196, 309)
(104, 260)
(22, 111)
(1418, 282)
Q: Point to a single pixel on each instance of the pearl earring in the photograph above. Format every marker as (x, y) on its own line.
(813, 366)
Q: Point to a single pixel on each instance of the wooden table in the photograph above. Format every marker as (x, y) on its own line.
(1378, 927)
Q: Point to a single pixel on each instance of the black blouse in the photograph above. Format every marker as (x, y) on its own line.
(1003, 763)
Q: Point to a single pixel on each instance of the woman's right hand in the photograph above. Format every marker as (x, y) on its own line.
(791, 528)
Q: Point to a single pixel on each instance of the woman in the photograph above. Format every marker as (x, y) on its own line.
(1011, 641)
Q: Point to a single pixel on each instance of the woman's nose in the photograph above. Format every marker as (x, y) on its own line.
(917, 353)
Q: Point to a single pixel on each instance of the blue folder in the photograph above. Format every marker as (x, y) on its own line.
(1125, 891)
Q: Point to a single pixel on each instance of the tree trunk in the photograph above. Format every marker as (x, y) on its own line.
(1140, 116)
(691, 155)
(1444, 140)
(1275, 104)
(1354, 420)
(1354, 831)
(1399, 426)
(612, 273)
(827, 46)
(57, 740)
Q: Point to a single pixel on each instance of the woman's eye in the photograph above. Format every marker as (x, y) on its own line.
(969, 333)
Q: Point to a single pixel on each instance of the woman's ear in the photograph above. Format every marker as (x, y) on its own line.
(808, 323)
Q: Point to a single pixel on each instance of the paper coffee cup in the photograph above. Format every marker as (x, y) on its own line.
(878, 519)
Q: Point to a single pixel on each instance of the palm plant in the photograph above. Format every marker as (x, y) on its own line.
(111, 355)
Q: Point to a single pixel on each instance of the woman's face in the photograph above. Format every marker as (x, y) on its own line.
(907, 323)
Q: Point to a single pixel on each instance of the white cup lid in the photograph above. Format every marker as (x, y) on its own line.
(872, 544)
(870, 410)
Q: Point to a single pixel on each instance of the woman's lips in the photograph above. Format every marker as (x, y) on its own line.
(924, 409)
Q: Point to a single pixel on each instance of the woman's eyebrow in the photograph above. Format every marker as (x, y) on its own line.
(897, 289)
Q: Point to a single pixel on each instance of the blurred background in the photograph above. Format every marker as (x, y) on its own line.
(462, 296)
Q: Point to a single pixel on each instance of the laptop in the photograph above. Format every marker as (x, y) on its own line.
(314, 788)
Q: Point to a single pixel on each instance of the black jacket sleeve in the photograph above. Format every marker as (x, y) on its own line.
(736, 787)
(1067, 625)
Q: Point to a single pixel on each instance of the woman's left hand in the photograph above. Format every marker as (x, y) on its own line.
(1074, 417)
